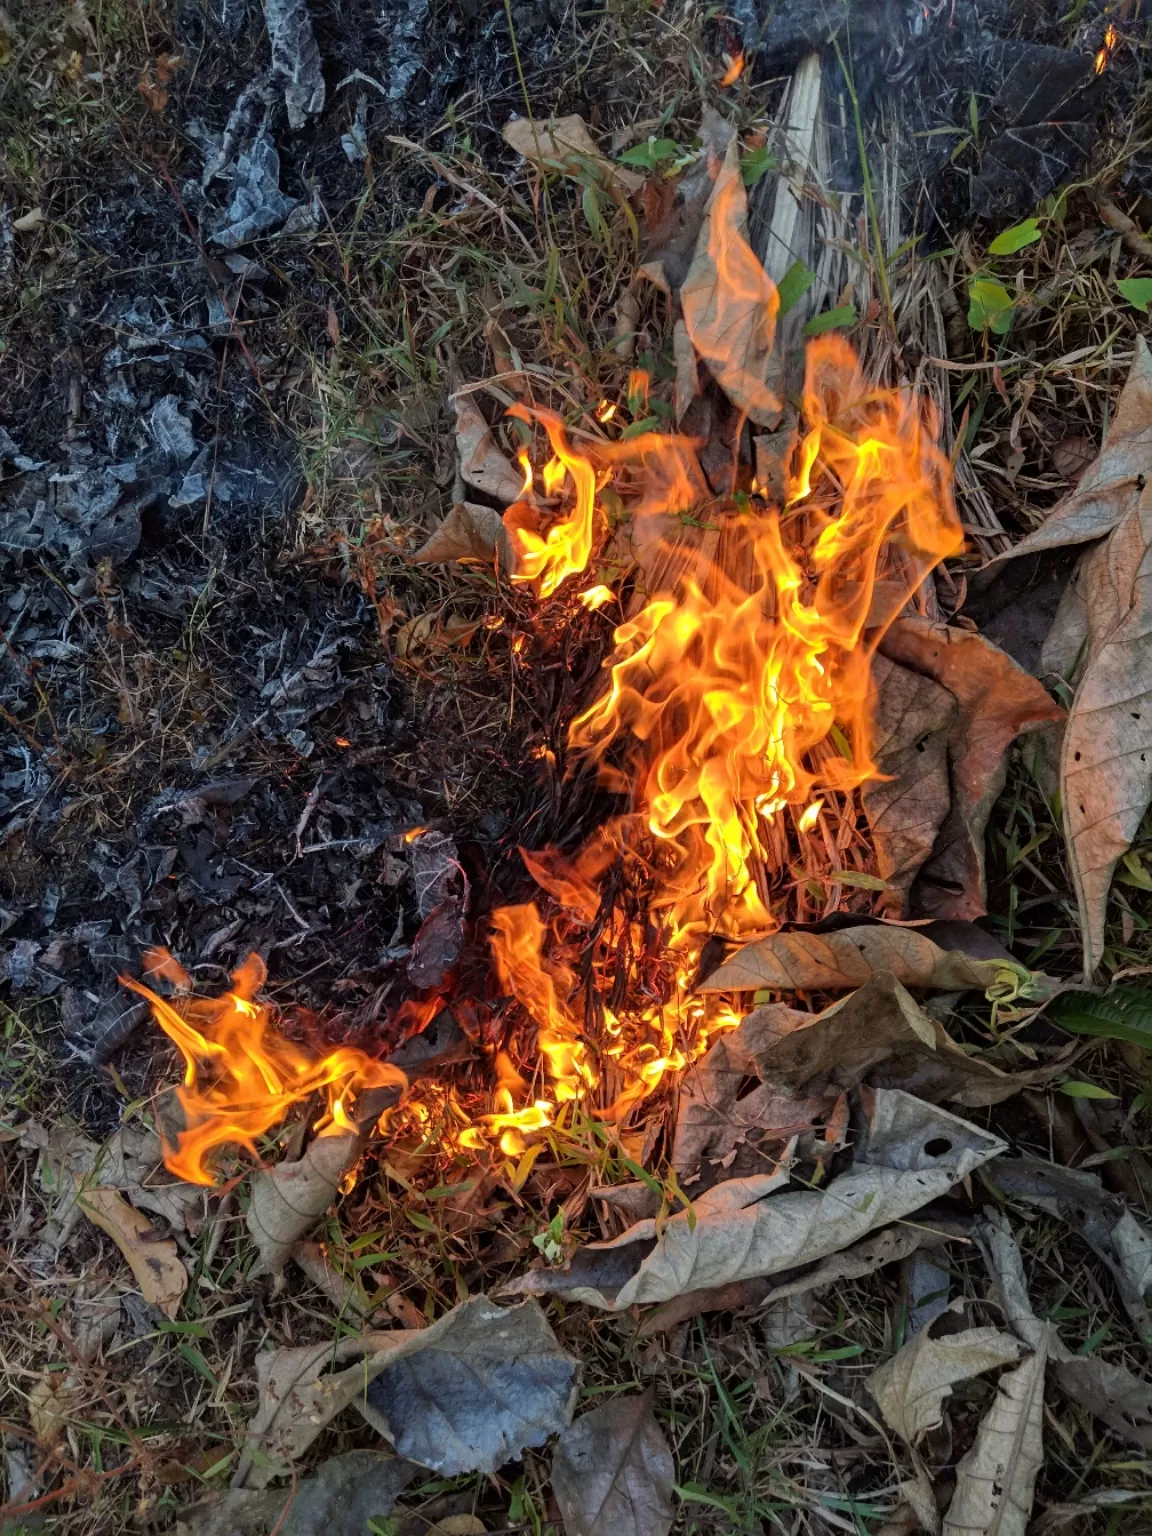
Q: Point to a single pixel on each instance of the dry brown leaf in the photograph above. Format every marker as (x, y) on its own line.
(847, 957)
(1106, 762)
(565, 144)
(715, 1115)
(51, 1399)
(469, 532)
(735, 1232)
(996, 1480)
(1109, 490)
(482, 464)
(288, 1200)
(1111, 1392)
(152, 1258)
(732, 323)
(497, 1381)
(879, 1033)
(674, 216)
(911, 1387)
(888, 1246)
(998, 701)
(908, 804)
(458, 1525)
(612, 1472)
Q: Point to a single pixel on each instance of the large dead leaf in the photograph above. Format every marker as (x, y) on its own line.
(469, 532)
(912, 1153)
(996, 1480)
(911, 1387)
(151, 1257)
(482, 464)
(847, 957)
(1111, 1392)
(565, 144)
(907, 805)
(1106, 761)
(612, 1472)
(998, 701)
(729, 301)
(465, 1394)
(880, 1033)
(1109, 490)
(888, 1246)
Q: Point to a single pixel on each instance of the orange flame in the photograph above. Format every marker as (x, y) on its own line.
(241, 1077)
(734, 71)
(1106, 52)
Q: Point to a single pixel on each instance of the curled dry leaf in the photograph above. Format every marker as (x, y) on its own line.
(732, 324)
(612, 1472)
(1110, 1392)
(888, 1246)
(847, 957)
(565, 144)
(880, 1033)
(482, 464)
(1109, 490)
(908, 803)
(470, 1391)
(1106, 761)
(1101, 1219)
(998, 701)
(469, 532)
(340, 1499)
(911, 1387)
(912, 1153)
(151, 1257)
(996, 1480)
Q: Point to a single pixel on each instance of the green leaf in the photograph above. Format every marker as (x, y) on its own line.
(857, 877)
(756, 163)
(831, 320)
(1075, 1089)
(1138, 292)
(1125, 1014)
(638, 428)
(794, 285)
(990, 306)
(845, 1352)
(649, 154)
(1016, 238)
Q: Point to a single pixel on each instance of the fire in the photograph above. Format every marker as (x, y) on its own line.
(734, 720)
(1106, 52)
(734, 71)
(241, 1076)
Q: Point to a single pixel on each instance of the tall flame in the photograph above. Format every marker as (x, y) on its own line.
(241, 1077)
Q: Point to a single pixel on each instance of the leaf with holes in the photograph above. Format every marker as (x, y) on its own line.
(912, 1153)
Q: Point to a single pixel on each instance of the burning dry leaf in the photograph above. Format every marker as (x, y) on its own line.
(998, 701)
(880, 1033)
(612, 1472)
(911, 1387)
(996, 1480)
(1106, 761)
(565, 144)
(469, 532)
(152, 1258)
(847, 957)
(1111, 1392)
(1109, 491)
(733, 1232)
(469, 1392)
(729, 302)
(481, 462)
(908, 804)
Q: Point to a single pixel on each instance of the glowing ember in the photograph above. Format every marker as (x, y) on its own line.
(242, 1077)
(1106, 52)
